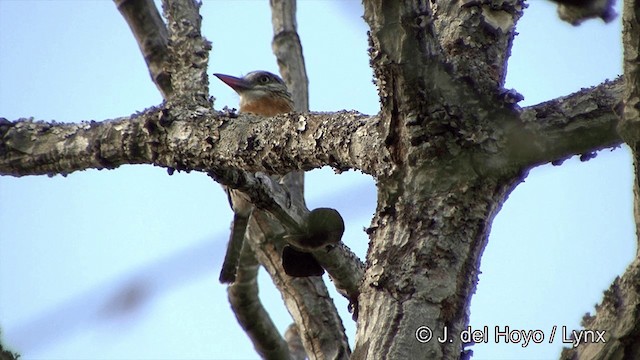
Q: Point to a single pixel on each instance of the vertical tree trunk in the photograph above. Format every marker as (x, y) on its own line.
(436, 207)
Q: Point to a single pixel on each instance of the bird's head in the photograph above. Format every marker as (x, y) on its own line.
(261, 93)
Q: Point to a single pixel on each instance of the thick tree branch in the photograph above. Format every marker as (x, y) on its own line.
(455, 147)
(411, 52)
(343, 140)
(188, 53)
(252, 316)
(36, 148)
(580, 123)
(306, 298)
(617, 315)
(484, 31)
(152, 37)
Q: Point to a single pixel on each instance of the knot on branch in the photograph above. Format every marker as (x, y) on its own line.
(321, 227)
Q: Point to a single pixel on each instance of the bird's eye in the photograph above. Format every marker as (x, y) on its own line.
(264, 79)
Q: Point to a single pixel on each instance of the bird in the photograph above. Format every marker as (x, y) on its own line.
(261, 93)
(265, 94)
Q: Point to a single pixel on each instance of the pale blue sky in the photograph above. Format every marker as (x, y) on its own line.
(71, 247)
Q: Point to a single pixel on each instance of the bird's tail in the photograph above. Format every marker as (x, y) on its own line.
(236, 241)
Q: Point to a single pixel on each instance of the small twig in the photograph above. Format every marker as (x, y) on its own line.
(287, 48)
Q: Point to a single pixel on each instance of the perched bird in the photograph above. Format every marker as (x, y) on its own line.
(261, 93)
(265, 94)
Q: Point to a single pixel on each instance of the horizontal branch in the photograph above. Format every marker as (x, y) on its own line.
(253, 143)
(205, 141)
(553, 131)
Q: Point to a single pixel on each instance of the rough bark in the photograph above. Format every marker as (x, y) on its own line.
(435, 209)
(542, 134)
(307, 299)
(315, 316)
(446, 150)
(615, 329)
(197, 139)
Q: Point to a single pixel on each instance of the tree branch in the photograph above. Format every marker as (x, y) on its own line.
(345, 269)
(199, 141)
(152, 137)
(480, 43)
(421, 60)
(254, 319)
(552, 131)
(343, 266)
(616, 317)
(306, 298)
(152, 37)
(188, 53)
(296, 349)
(288, 50)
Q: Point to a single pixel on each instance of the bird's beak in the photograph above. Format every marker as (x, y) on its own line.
(235, 83)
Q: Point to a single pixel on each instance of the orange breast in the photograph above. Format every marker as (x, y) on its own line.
(266, 106)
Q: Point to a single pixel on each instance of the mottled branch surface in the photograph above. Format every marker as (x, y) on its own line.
(455, 139)
(31, 148)
(558, 129)
(206, 141)
(188, 57)
(307, 298)
(327, 339)
(616, 317)
(201, 141)
(447, 147)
